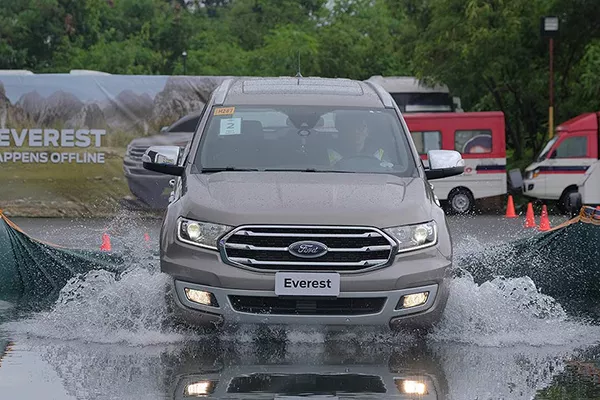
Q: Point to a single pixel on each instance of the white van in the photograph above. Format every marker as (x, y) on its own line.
(588, 189)
(559, 168)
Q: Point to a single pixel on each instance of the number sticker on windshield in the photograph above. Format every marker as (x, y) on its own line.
(231, 126)
(224, 111)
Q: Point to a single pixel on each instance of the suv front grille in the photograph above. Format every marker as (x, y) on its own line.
(308, 306)
(268, 248)
(136, 153)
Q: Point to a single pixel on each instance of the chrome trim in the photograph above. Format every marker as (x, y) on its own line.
(366, 263)
(348, 235)
(254, 265)
(241, 246)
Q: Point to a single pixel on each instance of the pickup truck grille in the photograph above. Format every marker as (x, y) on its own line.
(268, 248)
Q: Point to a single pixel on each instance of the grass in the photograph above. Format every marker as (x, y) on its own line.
(86, 186)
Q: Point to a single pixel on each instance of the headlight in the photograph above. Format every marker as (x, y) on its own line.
(413, 237)
(200, 388)
(203, 234)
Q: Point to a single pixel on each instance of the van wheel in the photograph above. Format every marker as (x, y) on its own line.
(461, 201)
(564, 203)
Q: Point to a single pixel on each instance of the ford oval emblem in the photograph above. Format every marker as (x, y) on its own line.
(307, 249)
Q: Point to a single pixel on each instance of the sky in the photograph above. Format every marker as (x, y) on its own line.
(87, 88)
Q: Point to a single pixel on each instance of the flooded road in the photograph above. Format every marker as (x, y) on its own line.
(109, 338)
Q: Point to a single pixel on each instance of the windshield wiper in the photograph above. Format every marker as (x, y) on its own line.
(228, 168)
(307, 170)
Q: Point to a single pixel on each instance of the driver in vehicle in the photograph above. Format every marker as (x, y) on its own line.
(360, 142)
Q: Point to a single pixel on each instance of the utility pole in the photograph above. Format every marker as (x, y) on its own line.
(549, 28)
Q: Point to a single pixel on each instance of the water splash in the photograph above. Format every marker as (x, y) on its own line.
(131, 308)
(100, 308)
(506, 312)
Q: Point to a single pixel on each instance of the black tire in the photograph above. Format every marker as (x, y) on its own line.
(564, 203)
(461, 201)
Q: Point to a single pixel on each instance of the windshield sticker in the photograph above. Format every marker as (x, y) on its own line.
(224, 111)
(231, 126)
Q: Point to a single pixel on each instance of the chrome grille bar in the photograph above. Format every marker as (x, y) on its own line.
(365, 263)
(312, 235)
(242, 246)
(348, 249)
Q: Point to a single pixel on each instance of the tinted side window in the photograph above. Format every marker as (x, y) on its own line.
(473, 141)
(572, 147)
(427, 140)
(186, 126)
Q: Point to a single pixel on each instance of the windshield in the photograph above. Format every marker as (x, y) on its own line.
(305, 138)
(544, 152)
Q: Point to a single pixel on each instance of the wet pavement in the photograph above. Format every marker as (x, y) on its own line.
(108, 338)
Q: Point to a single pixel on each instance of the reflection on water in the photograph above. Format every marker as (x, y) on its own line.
(228, 370)
(223, 369)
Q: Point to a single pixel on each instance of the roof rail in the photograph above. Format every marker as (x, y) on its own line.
(221, 91)
(86, 72)
(15, 72)
(384, 96)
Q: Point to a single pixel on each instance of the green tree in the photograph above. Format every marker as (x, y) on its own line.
(360, 39)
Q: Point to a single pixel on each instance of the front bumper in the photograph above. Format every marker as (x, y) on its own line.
(194, 268)
(227, 314)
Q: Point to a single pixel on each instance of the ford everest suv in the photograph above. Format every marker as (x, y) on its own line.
(304, 201)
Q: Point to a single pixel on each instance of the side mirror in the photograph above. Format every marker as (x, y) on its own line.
(163, 159)
(444, 163)
(164, 129)
(515, 178)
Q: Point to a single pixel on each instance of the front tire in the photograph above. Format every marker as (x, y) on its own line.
(564, 203)
(461, 201)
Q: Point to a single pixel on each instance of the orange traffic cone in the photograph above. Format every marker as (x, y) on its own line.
(105, 243)
(544, 220)
(530, 217)
(510, 208)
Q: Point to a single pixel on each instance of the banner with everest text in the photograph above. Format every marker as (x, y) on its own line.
(71, 145)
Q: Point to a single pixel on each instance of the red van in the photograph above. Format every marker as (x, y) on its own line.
(481, 139)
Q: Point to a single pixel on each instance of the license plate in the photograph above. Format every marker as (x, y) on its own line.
(307, 284)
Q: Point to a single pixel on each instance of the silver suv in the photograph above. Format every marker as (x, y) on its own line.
(304, 201)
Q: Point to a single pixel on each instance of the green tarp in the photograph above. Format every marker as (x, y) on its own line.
(30, 269)
(564, 263)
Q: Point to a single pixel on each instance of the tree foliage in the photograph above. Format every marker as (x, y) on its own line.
(489, 52)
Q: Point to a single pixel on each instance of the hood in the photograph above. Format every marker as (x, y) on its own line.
(167, 139)
(532, 166)
(235, 198)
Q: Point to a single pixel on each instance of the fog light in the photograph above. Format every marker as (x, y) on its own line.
(413, 300)
(201, 388)
(412, 387)
(201, 297)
